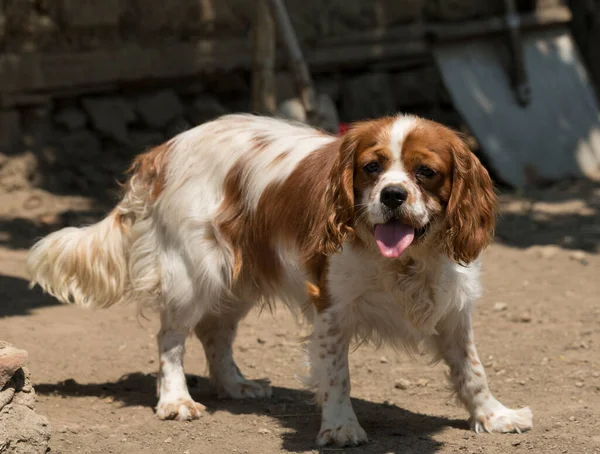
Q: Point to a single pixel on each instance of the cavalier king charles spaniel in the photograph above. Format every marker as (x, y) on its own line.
(375, 236)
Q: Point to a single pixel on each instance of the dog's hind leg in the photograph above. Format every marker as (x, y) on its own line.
(174, 401)
(217, 333)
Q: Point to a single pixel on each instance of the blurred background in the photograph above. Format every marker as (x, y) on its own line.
(87, 84)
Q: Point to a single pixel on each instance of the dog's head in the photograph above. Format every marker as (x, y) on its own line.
(404, 179)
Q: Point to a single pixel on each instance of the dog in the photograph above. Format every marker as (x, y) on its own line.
(375, 235)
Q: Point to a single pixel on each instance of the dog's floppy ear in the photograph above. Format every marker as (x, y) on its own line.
(339, 197)
(470, 213)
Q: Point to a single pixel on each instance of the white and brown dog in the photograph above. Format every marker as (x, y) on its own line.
(375, 235)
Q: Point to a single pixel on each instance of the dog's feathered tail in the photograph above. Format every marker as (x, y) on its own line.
(89, 266)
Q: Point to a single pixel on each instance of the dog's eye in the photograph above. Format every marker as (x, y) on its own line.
(372, 167)
(425, 172)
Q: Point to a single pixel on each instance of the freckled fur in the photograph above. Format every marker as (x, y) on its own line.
(246, 211)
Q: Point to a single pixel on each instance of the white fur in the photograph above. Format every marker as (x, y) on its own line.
(172, 256)
(397, 175)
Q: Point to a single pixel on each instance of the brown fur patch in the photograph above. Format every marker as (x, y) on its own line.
(461, 187)
(150, 168)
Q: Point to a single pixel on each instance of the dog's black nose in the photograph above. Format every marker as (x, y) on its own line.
(393, 196)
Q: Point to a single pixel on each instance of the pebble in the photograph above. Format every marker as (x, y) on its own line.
(525, 317)
(260, 340)
(264, 431)
(516, 443)
(168, 440)
(422, 382)
(579, 384)
(500, 306)
(579, 256)
(383, 360)
(572, 418)
(402, 384)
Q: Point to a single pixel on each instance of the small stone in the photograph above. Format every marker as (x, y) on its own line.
(261, 340)
(142, 140)
(11, 360)
(158, 109)
(402, 384)
(264, 431)
(595, 374)
(383, 360)
(525, 317)
(579, 384)
(516, 443)
(168, 440)
(110, 116)
(572, 418)
(71, 118)
(205, 108)
(422, 382)
(579, 256)
(80, 146)
(500, 306)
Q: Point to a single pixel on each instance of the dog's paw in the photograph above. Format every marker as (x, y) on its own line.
(240, 388)
(503, 420)
(180, 409)
(349, 434)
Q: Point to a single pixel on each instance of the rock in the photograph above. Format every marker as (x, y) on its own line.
(23, 431)
(415, 87)
(70, 118)
(110, 116)
(500, 306)
(383, 360)
(422, 382)
(176, 126)
(367, 96)
(168, 440)
(402, 384)
(11, 360)
(10, 129)
(264, 431)
(205, 108)
(544, 252)
(141, 140)
(579, 384)
(525, 317)
(157, 109)
(82, 145)
(579, 256)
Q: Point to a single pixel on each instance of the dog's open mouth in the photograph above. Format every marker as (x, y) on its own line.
(394, 237)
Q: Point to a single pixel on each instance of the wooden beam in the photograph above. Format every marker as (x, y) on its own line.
(264, 96)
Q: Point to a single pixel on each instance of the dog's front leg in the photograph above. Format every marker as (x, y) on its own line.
(456, 344)
(331, 377)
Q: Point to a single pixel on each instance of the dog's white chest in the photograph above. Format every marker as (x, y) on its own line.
(398, 298)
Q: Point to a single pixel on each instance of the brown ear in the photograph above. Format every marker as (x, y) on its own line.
(339, 197)
(470, 214)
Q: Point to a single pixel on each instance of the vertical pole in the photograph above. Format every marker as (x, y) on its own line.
(264, 98)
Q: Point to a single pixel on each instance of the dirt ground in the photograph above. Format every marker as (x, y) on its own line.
(537, 328)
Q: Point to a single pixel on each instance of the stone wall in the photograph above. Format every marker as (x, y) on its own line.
(76, 25)
(82, 141)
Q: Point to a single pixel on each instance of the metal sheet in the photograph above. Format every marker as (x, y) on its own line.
(556, 136)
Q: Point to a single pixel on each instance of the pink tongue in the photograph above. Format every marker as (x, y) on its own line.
(393, 238)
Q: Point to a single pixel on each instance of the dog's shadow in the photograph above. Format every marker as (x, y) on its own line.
(392, 429)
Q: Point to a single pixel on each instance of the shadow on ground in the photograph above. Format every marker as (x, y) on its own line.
(391, 428)
(567, 215)
(16, 298)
